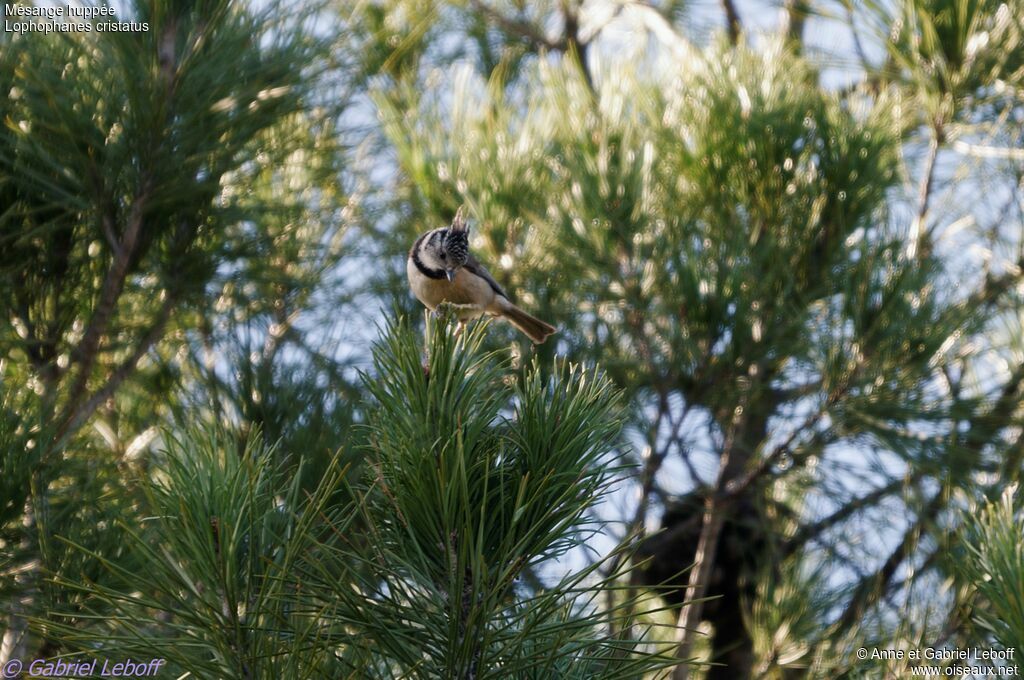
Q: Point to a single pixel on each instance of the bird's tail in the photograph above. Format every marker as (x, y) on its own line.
(537, 330)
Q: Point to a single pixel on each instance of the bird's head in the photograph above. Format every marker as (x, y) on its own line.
(447, 249)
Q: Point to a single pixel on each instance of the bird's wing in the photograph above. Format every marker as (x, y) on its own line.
(474, 267)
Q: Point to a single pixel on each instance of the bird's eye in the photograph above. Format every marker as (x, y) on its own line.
(444, 256)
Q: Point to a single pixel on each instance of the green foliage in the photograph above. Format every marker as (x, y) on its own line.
(15, 472)
(729, 240)
(478, 479)
(956, 53)
(202, 582)
(232, 571)
(786, 618)
(993, 563)
(801, 322)
(121, 194)
(516, 484)
(160, 189)
(731, 220)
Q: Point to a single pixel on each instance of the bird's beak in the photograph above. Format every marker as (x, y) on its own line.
(450, 273)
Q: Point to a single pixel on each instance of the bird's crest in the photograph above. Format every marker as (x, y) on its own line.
(459, 221)
(456, 241)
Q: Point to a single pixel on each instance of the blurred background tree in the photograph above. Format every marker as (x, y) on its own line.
(790, 233)
(754, 218)
(173, 201)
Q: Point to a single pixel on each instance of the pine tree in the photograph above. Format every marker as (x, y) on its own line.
(160, 189)
(790, 265)
(773, 269)
(479, 479)
(477, 476)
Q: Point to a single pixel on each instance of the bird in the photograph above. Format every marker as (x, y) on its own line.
(442, 270)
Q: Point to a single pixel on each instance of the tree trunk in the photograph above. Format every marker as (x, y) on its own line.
(723, 537)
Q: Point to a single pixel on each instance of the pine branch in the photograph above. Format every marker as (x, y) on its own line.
(88, 349)
(920, 236)
(733, 23)
(82, 411)
(574, 46)
(984, 428)
(796, 18)
(981, 432)
(877, 585)
(732, 462)
(522, 29)
(653, 460)
(810, 532)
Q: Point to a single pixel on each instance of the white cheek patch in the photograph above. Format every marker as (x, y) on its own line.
(432, 260)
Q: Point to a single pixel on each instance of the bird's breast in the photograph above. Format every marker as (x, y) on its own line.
(469, 291)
